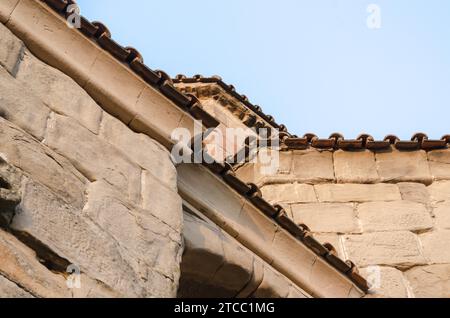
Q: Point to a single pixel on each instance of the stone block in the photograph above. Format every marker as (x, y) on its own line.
(59, 92)
(6, 8)
(440, 164)
(441, 155)
(387, 282)
(141, 149)
(150, 244)
(289, 193)
(355, 167)
(11, 50)
(92, 156)
(415, 192)
(403, 166)
(74, 239)
(327, 218)
(41, 164)
(394, 216)
(440, 191)
(430, 281)
(162, 201)
(435, 246)
(22, 107)
(313, 166)
(357, 192)
(442, 215)
(398, 249)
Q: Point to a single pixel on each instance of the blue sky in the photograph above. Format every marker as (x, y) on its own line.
(312, 64)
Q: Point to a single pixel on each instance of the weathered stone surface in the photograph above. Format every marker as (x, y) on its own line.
(11, 50)
(140, 149)
(146, 243)
(59, 92)
(394, 216)
(162, 201)
(430, 281)
(439, 170)
(435, 246)
(442, 156)
(399, 249)
(442, 215)
(440, 164)
(49, 224)
(289, 193)
(415, 192)
(6, 8)
(22, 108)
(355, 167)
(327, 218)
(357, 192)
(386, 282)
(440, 191)
(94, 157)
(312, 166)
(20, 265)
(9, 289)
(403, 166)
(43, 165)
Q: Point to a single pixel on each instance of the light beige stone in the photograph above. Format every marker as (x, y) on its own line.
(441, 155)
(59, 92)
(94, 157)
(289, 193)
(140, 149)
(440, 191)
(162, 201)
(357, 192)
(440, 164)
(386, 282)
(394, 216)
(399, 249)
(403, 166)
(313, 166)
(9, 289)
(297, 293)
(144, 241)
(355, 167)
(430, 281)
(22, 108)
(327, 218)
(74, 239)
(435, 246)
(43, 165)
(415, 192)
(440, 171)
(11, 50)
(6, 8)
(442, 215)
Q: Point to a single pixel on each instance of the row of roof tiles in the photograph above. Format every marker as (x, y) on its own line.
(160, 80)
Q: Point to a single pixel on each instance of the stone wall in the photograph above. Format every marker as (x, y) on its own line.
(78, 187)
(389, 209)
